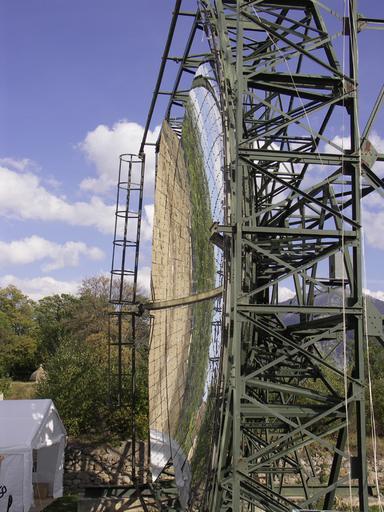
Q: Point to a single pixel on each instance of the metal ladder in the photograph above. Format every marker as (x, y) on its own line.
(123, 288)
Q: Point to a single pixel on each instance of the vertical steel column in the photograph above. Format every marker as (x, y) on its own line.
(282, 398)
(237, 211)
(359, 371)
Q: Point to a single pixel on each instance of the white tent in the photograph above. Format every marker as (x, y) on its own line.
(32, 443)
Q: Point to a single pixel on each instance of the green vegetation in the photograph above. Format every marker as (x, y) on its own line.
(76, 380)
(203, 277)
(376, 365)
(69, 335)
(18, 334)
(65, 504)
(5, 385)
(201, 456)
(346, 506)
(55, 316)
(18, 390)
(203, 262)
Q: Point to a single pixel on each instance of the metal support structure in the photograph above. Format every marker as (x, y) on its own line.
(285, 396)
(291, 381)
(125, 261)
(187, 64)
(123, 289)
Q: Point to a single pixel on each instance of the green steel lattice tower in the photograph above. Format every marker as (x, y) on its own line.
(293, 379)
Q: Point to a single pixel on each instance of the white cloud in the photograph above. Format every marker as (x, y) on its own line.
(345, 143)
(373, 223)
(378, 144)
(103, 145)
(377, 141)
(35, 248)
(147, 225)
(39, 287)
(285, 294)
(342, 142)
(23, 197)
(374, 200)
(53, 182)
(376, 295)
(144, 279)
(18, 164)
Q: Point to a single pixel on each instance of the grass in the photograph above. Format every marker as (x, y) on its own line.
(374, 508)
(65, 504)
(21, 391)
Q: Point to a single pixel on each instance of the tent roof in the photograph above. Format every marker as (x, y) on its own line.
(27, 424)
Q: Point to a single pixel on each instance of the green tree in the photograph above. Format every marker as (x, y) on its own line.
(78, 370)
(55, 316)
(84, 317)
(91, 320)
(18, 333)
(76, 382)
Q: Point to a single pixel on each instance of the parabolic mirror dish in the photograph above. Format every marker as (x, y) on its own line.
(184, 346)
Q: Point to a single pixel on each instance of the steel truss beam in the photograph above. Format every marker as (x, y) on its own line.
(285, 396)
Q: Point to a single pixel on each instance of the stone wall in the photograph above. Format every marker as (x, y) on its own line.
(171, 279)
(94, 465)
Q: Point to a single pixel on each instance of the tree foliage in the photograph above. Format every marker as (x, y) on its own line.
(376, 365)
(69, 336)
(77, 363)
(54, 316)
(18, 333)
(77, 383)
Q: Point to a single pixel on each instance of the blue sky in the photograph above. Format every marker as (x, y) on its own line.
(72, 69)
(74, 93)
